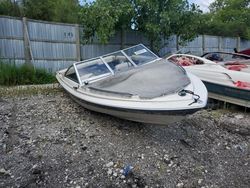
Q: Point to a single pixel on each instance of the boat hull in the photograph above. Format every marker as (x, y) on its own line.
(145, 116)
(228, 94)
(236, 93)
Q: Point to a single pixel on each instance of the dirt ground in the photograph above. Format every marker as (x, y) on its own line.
(47, 140)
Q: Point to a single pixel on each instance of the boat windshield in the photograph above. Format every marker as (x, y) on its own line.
(224, 56)
(117, 62)
(92, 69)
(113, 63)
(140, 54)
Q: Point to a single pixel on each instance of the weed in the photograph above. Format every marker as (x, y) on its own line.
(11, 75)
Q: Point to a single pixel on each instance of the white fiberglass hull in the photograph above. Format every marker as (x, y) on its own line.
(162, 110)
(144, 116)
(221, 82)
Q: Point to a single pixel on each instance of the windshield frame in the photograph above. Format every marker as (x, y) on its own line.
(111, 71)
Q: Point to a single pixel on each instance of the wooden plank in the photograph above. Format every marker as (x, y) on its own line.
(231, 100)
(78, 45)
(27, 54)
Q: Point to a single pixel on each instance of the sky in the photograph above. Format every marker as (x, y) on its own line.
(202, 3)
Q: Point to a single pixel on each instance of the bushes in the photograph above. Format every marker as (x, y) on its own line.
(11, 75)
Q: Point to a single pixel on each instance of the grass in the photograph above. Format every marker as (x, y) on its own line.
(12, 75)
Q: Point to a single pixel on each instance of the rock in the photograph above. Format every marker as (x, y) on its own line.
(200, 181)
(228, 148)
(239, 116)
(109, 172)
(142, 156)
(110, 164)
(4, 172)
(171, 163)
(180, 184)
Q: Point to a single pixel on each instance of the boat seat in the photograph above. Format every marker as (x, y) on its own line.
(121, 67)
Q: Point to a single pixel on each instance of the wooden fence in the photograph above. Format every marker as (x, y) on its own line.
(54, 46)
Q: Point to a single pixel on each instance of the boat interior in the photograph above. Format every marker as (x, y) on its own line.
(231, 73)
(229, 61)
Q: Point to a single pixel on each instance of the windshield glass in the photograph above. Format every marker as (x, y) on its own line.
(112, 63)
(117, 62)
(140, 55)
(71, 74)
(92, 68)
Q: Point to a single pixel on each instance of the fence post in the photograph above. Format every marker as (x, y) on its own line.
(78, 45)
(177, 43)
(203, 44)
(219, 43)
(26, 42)
(123, 36)
(238, 44)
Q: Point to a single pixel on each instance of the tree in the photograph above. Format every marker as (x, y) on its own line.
(52, 10)
(66, 11)
(39, 10)
(102, 18)
(10, 8)
(163, 18)
(229, 18)
(154, 18)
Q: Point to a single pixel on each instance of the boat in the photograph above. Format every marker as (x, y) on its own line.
(223, 83)
(231, 61)
(134, 84)
(245, 52)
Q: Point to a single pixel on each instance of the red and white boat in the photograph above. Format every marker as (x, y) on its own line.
(227, 80)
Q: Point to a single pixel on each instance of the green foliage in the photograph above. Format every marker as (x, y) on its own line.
(9, 8)
(50, 10)
(155, 18)
(103, 17)
(40, 10)
(228, 18)
(163, 18)
(10, 74)
(66, 11)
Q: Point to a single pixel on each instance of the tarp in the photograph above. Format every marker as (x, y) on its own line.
(147, 81)
(242, 85)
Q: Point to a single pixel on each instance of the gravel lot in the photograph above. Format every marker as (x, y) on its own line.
(47, 140)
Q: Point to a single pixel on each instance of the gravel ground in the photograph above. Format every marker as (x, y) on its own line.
(47, 140)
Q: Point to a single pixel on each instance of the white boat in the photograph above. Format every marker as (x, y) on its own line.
(231, 61)
(222, 82)
(134, 84)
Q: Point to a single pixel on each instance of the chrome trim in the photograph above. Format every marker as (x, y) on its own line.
(131, 61)
(107, 65)
(77, 74)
